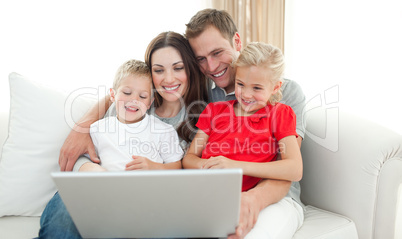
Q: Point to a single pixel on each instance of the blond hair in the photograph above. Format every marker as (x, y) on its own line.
(267, 56)
(131, 67)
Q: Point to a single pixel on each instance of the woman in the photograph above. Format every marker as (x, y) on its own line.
(181, 94)
(180, 85)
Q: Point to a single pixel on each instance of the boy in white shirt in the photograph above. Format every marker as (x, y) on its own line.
(133, 140)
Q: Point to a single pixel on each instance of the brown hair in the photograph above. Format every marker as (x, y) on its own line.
(211, 17)
(196, 96)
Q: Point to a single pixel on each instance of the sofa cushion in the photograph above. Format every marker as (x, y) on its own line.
(320, 224)
(19, 227)
(40, 120)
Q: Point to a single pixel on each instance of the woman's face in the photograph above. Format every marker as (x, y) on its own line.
(168, 74)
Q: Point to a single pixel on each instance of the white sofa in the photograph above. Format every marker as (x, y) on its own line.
(351, 184)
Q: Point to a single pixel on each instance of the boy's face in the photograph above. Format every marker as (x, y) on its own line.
(254, 88)
(133, 98)
(215, 54)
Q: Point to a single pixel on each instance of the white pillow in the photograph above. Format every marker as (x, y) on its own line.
(40, 120)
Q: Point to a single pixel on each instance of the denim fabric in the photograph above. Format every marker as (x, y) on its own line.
(56, 222)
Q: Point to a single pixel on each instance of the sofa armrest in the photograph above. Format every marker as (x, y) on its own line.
(353, 167)
(3, 129)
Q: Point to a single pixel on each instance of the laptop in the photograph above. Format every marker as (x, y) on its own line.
(152, 204)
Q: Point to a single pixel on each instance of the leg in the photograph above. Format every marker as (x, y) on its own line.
(56, 222)
(278, 221)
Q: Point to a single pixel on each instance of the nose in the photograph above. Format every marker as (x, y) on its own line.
(212, 64)
(246, 93)
(169, 77)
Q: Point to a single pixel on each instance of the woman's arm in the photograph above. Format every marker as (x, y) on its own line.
(192, 159)
(289, 168)
(79, 142)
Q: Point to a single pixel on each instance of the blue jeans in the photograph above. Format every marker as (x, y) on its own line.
(56, 222)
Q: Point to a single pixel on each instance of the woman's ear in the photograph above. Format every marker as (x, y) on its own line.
(112, 94)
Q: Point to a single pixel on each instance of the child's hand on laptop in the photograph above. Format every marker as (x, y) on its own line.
(220, 162)
(141, 163)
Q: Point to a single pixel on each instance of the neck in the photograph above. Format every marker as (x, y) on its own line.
(230, 88)
(168, 109)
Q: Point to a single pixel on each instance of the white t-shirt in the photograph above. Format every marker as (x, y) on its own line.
(116, 142)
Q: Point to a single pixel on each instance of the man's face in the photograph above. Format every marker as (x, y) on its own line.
(215, 55)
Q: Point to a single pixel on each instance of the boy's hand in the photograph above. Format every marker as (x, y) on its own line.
(249, 212)
(141, 163)
(220, 162)
(76, 144)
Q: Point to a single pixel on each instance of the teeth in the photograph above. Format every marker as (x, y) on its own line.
(220, 74)
(171, 88)
(132, 108)
(248, 101)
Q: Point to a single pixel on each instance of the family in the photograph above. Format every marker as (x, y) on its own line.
(199, 101)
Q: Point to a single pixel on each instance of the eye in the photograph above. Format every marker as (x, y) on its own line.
(201, 59)
(126, 93)
(178, 68)
(240, 84)
(257, 88)
(158, 71)
(217, 53)
(143, 97)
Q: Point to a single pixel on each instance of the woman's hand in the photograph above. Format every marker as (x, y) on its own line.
(220, 162)
(141, 163)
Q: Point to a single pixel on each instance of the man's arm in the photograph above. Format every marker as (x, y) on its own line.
(267, 192)
(79, 141)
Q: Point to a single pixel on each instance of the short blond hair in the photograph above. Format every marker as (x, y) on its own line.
(267, 56)
(131, 67)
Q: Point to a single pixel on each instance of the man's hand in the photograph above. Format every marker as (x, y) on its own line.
(75, 145)
(249, 211)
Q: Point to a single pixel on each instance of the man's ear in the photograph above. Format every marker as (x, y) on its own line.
(112, 95)
(237, 41)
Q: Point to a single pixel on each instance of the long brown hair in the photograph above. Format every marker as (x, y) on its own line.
(196, 96)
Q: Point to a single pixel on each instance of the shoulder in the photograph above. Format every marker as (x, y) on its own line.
(290, 87)
(219, 107)
(292, 95)
(157, 123)
(102, 123)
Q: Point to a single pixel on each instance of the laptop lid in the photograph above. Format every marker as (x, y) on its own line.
(151, 204)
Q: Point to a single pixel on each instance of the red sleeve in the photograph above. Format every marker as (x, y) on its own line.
(204, 121)
(283, 121)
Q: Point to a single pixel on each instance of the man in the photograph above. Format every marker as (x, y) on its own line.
(216, 43)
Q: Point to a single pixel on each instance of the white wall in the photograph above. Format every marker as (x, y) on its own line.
(72, 44)
(350, 49)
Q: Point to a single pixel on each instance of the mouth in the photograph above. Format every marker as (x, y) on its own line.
(131, 108)
(248, 102)
(219, 74)
(171, 88)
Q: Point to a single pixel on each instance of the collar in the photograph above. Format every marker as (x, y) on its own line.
(223, 90)
(257, 116)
